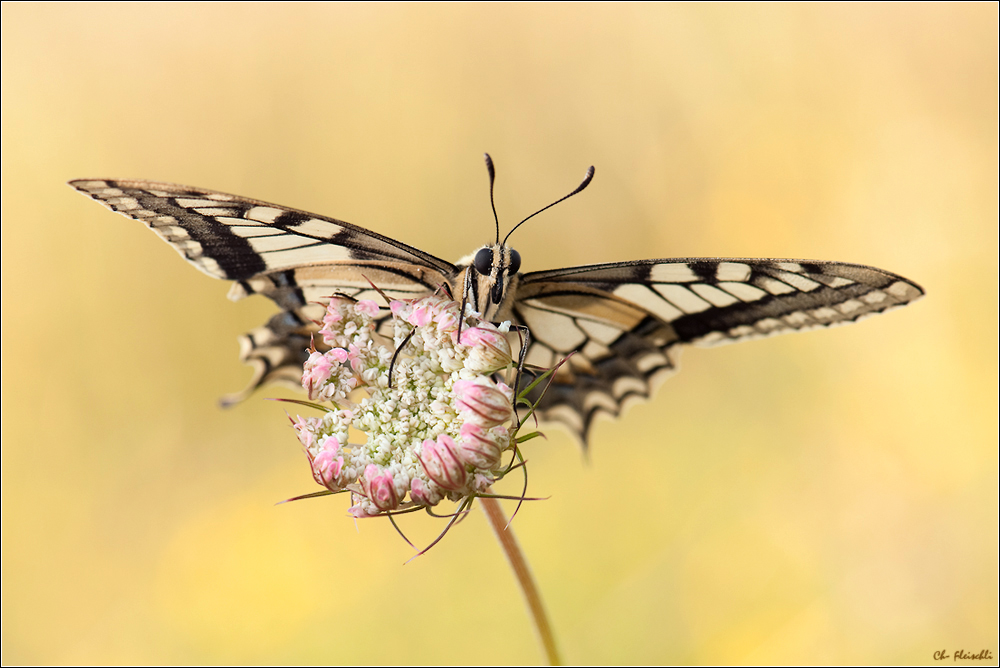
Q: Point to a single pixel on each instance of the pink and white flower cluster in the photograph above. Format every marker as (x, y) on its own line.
(437, 431)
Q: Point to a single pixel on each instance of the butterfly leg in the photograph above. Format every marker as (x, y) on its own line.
(466, 289)
(395, 355)
(524, 336)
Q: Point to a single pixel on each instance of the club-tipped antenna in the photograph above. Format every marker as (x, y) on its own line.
(493, 177)
(586, 182)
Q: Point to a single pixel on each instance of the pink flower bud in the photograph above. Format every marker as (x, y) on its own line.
(354, 355)
(367, 307)
(482, 448)
(328, 464)
(304, 430)
(481, 483)
(361, 511)
(448, 321)
(423, 494)
(330, 320)
(316, 371)
(420, 316)
(443, 464)
(380, 488)
(333, 314)
(490, 349)
(484, 403)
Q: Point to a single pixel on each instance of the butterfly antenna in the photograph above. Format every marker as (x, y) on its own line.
(493, 177)
(586, 182)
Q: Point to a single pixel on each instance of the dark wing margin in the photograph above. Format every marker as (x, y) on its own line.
(293, 257)
(622, 321)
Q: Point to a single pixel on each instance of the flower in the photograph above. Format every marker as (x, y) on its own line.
(484, 402)
(368, 307)
(380, 488)
(433, 416)
(327, 465)
(423, 494)
(483, 448)
(490, 348)
(442, 464)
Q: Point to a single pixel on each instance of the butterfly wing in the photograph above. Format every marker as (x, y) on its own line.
(293, 257)
(624, 321)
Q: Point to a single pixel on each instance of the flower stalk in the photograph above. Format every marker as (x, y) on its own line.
(515, 558)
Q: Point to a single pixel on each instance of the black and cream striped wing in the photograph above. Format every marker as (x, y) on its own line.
(294, 257)
(623, 321)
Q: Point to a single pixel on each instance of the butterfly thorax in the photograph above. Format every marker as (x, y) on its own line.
(488, 277)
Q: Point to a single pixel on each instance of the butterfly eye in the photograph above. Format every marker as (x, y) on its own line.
(515, 262)
(484, 261)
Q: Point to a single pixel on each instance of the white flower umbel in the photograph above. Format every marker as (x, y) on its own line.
(436, 419)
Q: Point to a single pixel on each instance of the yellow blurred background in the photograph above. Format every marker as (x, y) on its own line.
(829, 497)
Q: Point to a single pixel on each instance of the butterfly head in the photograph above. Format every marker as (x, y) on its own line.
(490, 272)
(496, 263)
(490, 276)
(494, 266)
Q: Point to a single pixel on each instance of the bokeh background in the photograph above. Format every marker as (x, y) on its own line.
(829, 497)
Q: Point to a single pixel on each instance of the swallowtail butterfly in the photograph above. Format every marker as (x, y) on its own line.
(623, 320)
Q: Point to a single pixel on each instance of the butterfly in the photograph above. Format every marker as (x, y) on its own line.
(623, 321)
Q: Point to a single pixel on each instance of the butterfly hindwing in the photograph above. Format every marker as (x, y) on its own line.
(623, 321)
(295, 258)
(276, 350)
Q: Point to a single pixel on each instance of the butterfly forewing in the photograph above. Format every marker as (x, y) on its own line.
(622, 321)
(297, 259)
(619, 323)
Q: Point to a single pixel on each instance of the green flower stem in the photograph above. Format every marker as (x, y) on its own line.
(514, 555)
